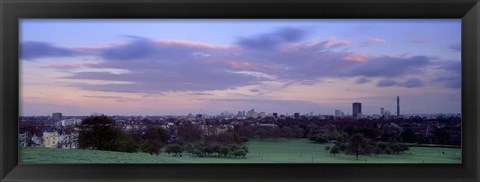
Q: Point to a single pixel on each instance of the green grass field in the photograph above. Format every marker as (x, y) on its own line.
(266, 151)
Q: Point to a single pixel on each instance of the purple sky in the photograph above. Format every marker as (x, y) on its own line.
(161, 67)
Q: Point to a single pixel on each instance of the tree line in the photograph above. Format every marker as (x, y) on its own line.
(99, 132)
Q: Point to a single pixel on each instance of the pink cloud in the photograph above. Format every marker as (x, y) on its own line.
(355, 57)
(421, 41)
(334, 42)
(61, 66)
(187, 43)
(376, 40)
(240, 65)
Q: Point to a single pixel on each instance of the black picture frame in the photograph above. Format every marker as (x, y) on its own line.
(12, 10)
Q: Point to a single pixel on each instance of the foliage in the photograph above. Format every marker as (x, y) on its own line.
(188, 133)
(357, 145)
(154, 139)
(98, 132)
(408, 136)
(174, 148)
(334, 150)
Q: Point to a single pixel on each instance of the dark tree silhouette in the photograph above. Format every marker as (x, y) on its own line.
(175, 149)
(408, 136)
(154, 140)
(357, 145)
(98, 132)
(334, 150)
(188, 133)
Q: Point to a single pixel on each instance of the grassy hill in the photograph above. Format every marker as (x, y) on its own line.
(266, 151)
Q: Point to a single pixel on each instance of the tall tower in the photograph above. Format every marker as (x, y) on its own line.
(398, 106)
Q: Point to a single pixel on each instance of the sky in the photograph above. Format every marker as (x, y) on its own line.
(207, 66)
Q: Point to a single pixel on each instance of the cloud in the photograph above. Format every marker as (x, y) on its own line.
(387, 83)
(450, 81)
(373, 40)
(412, 83)
(116, 98)
(268, 41)
(32, 50)
(455, 47)
(201, 94)
(333, 42)
(62, 66)
(376, 40)
(254, 90)
(389, 67)
(362, 81)
(453, 66)
(421, 41)
(103, 97)
(155, 66)
(355, 57)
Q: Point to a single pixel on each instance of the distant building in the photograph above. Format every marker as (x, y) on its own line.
(57, 116)
(275, 115)
(68, 141)
(356, 110)
(252, 114)
(382, 111)
(69, 122)
(296, 115)
(22, 137)
(50, 139)
(262, 115)
(338, 113)
(36, 141)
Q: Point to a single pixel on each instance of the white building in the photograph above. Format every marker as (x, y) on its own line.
(50, 139)
(68, 141)
(22, 137)
(69, 122)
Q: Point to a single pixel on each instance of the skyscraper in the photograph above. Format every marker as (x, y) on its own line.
(398, 106)
(357, 109)
(382, 111)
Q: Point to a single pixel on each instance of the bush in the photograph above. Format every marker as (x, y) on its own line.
(388, 151)
(175, 149)
(334, 150)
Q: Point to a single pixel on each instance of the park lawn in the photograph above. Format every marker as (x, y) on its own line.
(260, 151)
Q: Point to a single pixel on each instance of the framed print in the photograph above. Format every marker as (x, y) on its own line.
(239, 91)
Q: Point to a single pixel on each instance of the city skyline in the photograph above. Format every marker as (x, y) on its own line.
(174, 67)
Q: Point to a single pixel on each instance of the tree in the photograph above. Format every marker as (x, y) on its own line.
(98, 132)
(261, 132)
(388, 151)
(175, 149)
(357, 145)
(287, 132)
(377, 151)
(154, 139)
(441, 136)
(188, 133)
(342, 147)
(299, 132)
(224, 151)
(408, 136)
(334, 150)
(127, 142)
